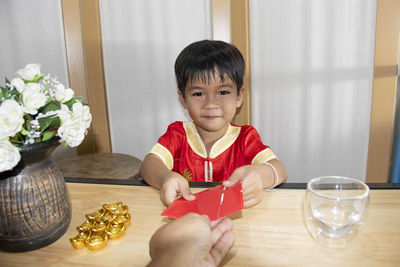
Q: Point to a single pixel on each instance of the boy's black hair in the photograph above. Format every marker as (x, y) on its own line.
(201, 60)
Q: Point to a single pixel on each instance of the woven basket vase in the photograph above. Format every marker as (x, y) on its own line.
(34, 206)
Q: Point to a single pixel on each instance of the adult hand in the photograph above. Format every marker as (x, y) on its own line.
(175, 185)
(191, 241)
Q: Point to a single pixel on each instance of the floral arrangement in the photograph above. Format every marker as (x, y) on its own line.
(34, 108)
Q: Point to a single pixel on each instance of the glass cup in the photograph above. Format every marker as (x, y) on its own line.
(335, 209)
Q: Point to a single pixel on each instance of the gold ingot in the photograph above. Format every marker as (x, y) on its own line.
(86, 226)
(108, 217)
(128, 219)
(125, 219)
(119, 220)
(110, 222)
(115, 231)
(79, 241)
(97, 242)
(113, 206)
(99, 228)
(121, 210)
(95, 215)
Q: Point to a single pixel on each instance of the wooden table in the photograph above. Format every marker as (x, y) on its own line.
(269, 234)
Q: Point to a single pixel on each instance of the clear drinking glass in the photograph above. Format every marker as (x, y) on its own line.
(335, 209)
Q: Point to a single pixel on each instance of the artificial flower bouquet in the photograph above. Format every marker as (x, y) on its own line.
(34, 108)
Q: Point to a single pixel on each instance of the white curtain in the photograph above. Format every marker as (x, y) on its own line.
(32, 32)
(311, 79)
(141, 40)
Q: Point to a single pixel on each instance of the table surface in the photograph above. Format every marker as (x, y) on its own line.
(270, 234)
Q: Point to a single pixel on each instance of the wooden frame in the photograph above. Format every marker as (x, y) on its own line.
(75, 60)
(221, 20)
(240, 35)
(85, 66)
(384, 91)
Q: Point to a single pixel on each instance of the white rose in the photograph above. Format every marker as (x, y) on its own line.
(30, 72)
(72, 131)
(11, 118)
(82, 112)
(63, 95)
(34, 87)
(33, 101)
(64, 113)
(9, 156)
(19, 84)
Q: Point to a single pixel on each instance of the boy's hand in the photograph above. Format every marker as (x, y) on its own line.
(174, 186)
(251, 177)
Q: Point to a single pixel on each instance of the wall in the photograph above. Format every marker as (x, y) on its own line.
(33, 37)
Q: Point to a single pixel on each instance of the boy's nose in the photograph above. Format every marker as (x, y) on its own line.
(211, 101)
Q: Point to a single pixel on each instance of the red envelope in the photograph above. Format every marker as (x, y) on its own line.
(208, 202)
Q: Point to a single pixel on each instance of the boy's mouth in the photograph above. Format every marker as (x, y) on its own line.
(211, 117)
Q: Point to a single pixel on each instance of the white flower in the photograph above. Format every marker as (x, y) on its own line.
(19, 84)
(64, 113)
(82, 112)
(33, 101)
(33, 87)
(72, 131)
(11, 118)
(63, 95)
(9, 156)
(30, 72)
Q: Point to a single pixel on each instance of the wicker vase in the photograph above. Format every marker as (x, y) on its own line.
(34, 206)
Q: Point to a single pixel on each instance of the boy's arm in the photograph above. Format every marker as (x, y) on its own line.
(255, 178)
(267, 169)
(170, 184)
(154, 171)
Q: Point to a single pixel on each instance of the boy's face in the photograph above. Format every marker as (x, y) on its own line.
(212, 105)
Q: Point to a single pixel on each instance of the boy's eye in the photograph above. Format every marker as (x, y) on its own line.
(197, 94)
(223, 92)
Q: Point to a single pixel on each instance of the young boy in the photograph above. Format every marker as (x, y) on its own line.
(210, 148)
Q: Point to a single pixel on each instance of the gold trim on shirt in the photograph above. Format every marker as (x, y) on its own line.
(225, 141)
(220, 146)
(194, 139)
(263, 156)
(163, 153)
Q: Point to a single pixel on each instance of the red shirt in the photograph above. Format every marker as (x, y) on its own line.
(182, 151)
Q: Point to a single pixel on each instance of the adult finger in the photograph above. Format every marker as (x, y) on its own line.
(220, 228)
(222, 247)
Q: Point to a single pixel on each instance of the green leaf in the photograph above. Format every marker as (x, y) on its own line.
(49, 122)
(47, 135)
(51, 106)
(23, 131)
(37, 78)
(73, 101)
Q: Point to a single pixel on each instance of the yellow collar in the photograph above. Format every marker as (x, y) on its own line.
(220, 146)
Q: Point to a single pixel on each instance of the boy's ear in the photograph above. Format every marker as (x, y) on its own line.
(240, 97)
(182, 99)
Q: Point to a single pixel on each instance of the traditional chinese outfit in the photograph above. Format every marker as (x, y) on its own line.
(182, 151)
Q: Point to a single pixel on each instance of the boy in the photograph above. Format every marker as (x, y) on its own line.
(210, 148)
